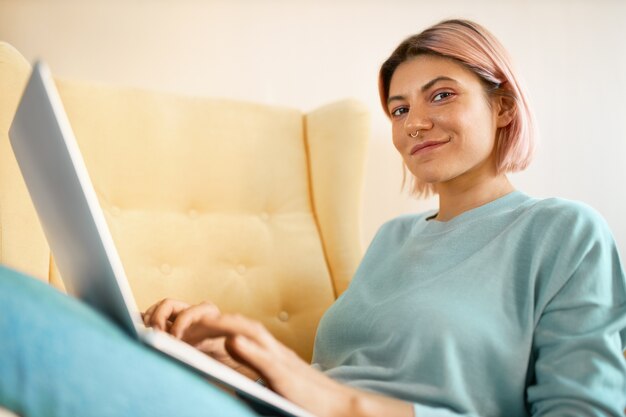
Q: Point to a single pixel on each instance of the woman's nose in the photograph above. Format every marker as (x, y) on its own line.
(416, 121)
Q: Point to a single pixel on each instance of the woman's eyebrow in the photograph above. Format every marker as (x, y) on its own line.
(425, 87)
(435, 81)
(393, 98)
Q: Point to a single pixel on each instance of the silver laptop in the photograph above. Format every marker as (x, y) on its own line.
(80, 241)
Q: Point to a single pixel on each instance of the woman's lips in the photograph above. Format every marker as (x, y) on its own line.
(427, 146)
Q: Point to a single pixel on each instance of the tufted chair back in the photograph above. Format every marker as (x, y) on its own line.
(251, 206)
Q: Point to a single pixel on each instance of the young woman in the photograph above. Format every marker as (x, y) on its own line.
(496, 304)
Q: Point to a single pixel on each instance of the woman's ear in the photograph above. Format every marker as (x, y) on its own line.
(506, 108)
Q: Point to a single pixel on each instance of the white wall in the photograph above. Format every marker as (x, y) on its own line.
(304, 53)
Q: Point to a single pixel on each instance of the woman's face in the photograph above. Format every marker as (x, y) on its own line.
(456, 122)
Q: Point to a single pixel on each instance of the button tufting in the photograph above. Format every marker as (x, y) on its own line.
(193, 214)
(283, 316)
(265, 216)
(166, 269)
(241, 269)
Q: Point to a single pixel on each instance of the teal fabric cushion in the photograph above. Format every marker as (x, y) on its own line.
(59, 357)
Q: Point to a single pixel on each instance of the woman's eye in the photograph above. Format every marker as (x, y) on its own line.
(442, 95)
(397, 112)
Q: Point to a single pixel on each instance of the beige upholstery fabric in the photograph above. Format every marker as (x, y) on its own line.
(252, 206)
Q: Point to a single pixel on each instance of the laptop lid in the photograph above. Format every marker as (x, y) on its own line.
(57, 180)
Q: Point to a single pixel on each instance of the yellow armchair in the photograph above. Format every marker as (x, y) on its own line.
(254, 207)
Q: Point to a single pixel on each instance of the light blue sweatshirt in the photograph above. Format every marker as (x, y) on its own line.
(515, 308)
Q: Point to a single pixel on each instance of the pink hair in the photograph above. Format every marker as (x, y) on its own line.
(477, 49)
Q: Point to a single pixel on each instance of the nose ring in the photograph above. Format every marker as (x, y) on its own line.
(417, 132)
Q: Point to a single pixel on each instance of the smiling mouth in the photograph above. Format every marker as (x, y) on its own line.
(427, 146)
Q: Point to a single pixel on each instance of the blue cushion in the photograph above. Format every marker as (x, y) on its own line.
(59, 357)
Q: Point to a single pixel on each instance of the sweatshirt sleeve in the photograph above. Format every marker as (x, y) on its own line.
(426, 411)
(580, 334)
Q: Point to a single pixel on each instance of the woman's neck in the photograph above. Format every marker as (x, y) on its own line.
(455, 199)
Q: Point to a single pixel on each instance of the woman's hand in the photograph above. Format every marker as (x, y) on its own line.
(247, 346)
(178, 319)
(248, 342)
